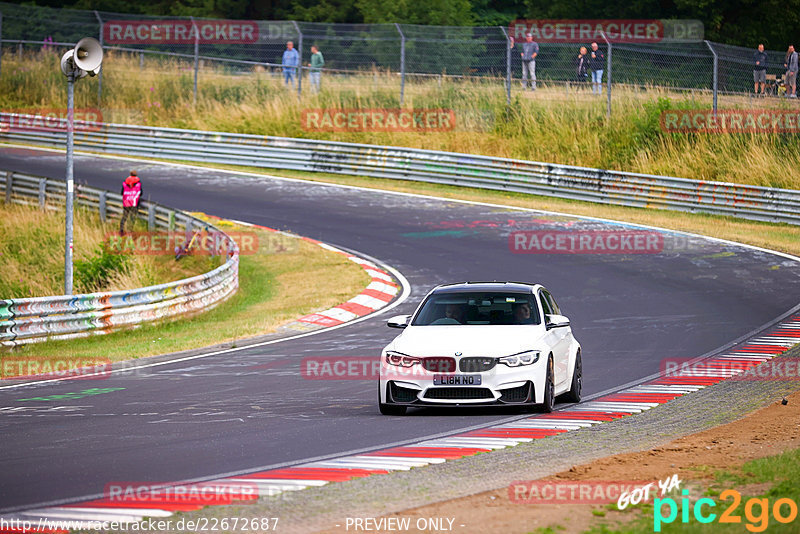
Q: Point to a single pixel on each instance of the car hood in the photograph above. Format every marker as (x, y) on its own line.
(478, 340)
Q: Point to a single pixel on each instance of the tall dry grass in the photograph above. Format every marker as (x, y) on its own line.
(32, 255)
(556, 123)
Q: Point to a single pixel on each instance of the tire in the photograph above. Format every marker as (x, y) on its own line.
(574, 393)
(389, 409)
(549, 390)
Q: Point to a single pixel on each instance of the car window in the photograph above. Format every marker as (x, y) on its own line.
(477, 308)
(545, 304)
(552, 302)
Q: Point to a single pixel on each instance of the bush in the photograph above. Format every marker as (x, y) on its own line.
(95, 273)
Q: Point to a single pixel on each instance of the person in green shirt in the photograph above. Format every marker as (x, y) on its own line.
(317, 61)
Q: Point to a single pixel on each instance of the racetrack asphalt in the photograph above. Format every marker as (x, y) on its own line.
(252, 408)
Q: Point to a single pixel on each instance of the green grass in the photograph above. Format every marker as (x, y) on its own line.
(32, 256)
(780, 473)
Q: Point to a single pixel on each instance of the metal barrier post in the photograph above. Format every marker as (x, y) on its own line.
(151, 217)
(196, 58)
(9, 185)
(171, 221)
(99, 74)
(141, 60)
(102, 208)
(508, 66)
(716, 66)
(42, 193)
(402, 62)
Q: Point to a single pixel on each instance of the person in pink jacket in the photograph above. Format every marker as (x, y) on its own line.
(131, 195)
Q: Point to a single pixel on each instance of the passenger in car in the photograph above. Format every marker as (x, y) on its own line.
(522, 313)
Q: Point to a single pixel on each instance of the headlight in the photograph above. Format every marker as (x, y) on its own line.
(523, 358)
(400, 359)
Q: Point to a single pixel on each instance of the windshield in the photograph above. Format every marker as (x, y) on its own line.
(478, 308)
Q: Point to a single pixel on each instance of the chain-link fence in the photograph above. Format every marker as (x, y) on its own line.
(386, 56)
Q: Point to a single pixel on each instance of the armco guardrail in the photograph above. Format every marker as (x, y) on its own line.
(563, 181)
(30, 320)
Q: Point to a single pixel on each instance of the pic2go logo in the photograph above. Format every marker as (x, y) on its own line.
(756, 511)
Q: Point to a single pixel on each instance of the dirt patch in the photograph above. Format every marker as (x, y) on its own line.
(768, 431)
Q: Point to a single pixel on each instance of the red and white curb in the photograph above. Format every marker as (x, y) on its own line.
(381, 290)
(747, 355)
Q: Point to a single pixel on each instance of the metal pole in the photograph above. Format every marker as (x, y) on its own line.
(608, 77)
(508, 66)
(402, 63)
(196, 58)
(1, 43)
(299, 55)
(100, 74)
(70, 186)
(716, 65)
(300, 63)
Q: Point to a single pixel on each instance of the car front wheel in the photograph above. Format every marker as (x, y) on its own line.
(574, 393)
(549, 389)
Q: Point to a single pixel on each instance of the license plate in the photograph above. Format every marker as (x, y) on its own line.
(456, 380)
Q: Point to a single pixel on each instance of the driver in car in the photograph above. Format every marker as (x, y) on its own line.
(455, 312)
(522, 313)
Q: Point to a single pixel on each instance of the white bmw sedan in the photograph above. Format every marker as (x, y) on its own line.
(481, 343)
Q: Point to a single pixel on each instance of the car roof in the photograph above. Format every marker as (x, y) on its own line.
(516, 287)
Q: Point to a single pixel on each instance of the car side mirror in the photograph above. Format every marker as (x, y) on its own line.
(556, 321)
(398, 321)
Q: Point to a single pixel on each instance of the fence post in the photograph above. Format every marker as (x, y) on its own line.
(508, 66)
(608, 77)
(1, 43)
(19, 51)
(42, 193)
(716, 66)
(141, 60)
(102, 207)
(9, 186)
(402, 62)
(151, 217)
(100, 74)
(171, 223)
(196, 58)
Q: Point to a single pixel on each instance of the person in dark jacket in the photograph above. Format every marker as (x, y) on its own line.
(791, 66)
(760, 70)
(597, 62)
(131, 195)
(582, 66)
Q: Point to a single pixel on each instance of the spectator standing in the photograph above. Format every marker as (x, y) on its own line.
(530, 49)
(291, 59)
(316, 64)
(791, 72)
(582, 65)
(597, 62)
(131, 195)
(760, 70)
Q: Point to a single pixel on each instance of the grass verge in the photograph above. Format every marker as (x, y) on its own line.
(32, 256)
(758, 485)
(274, 287)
